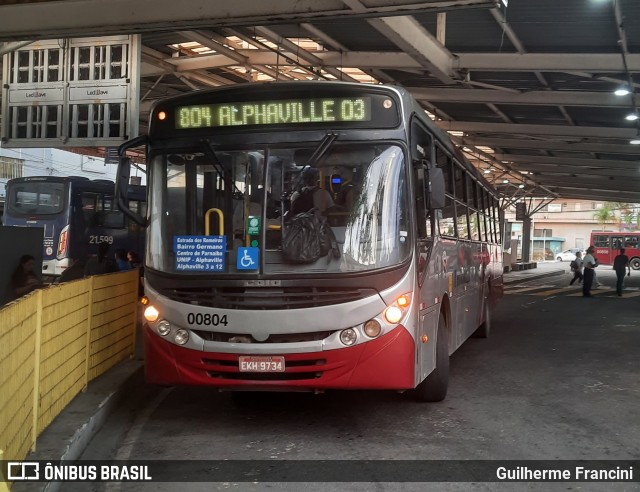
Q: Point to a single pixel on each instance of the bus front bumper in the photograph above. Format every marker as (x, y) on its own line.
(387, 362)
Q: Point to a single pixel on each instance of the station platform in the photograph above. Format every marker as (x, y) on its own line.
(542, 270)
(70, 433)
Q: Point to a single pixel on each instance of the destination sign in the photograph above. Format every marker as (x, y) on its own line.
(283, 112)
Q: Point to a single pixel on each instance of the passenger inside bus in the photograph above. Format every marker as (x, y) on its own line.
(311, 195)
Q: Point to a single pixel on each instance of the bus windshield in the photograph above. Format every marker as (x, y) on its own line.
(35, 198)
(361, 190)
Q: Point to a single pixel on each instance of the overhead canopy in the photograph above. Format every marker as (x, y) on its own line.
(527, 90)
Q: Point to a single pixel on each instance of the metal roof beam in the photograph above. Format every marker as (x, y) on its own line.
(533, 98)
(521, 143)
(328, 41)
(419, 44)
(545, 62)
(61, 19)
(373, 59)
(606, 196)
(555, 130)
(569, 161)
(301, 53)
(542, 172)
(577, 64)
(156, 59)
(598, 184)
(407, 33)
(205, 40)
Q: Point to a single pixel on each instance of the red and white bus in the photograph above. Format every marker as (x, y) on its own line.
(413, 270)
(607, 245)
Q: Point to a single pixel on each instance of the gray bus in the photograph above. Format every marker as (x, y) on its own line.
(393, 262)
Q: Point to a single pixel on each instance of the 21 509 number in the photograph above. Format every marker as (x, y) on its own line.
(206, 319)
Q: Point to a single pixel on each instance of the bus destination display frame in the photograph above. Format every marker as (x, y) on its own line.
(269, 110)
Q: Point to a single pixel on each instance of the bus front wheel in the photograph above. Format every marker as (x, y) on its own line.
(434, 387)
(635, 263)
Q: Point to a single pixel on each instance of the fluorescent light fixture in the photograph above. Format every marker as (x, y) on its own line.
(487, 171)
(521, 186)
(632, 117)
(505, 181)
(635, 141)
(623, 91)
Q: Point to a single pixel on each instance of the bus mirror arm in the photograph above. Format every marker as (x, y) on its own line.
(122, 180)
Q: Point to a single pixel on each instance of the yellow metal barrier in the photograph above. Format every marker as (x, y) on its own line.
(207, 217)
(52, 343)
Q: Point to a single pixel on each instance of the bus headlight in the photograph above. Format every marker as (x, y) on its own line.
(181, 337)
(394, 313)
(164, 328)
(151, 314)
(348, 336)
(372, 328)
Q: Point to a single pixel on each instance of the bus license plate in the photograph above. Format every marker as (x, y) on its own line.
(250, 363)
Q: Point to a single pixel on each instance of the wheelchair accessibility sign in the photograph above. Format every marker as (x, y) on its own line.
(247, 258)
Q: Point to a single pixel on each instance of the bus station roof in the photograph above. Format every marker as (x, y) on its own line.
(526, 87)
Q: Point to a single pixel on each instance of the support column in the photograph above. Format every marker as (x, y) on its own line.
(526, 238)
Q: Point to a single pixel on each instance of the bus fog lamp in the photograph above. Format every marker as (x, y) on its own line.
(393, 314)
(181, 337)
(348, 336)
(151, 314)
(372, 328)
(164, 328)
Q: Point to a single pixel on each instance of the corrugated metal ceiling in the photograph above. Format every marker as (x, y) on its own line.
(533, 47)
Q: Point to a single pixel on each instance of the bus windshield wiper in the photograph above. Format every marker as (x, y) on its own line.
(324, 145)
(218, 166)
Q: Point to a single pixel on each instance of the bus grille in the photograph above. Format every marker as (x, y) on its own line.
(212, 336)
(265, 298)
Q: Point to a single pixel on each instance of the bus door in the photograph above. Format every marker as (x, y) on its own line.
(617, 242)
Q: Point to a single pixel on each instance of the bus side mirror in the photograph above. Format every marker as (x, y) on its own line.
(436, 188)
(122, 181)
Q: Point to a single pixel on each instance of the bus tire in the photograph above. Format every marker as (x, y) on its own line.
(434, 387)
(484, 329)
(635, 263)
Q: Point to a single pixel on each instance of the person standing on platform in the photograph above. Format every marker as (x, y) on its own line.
(576, 268)
(24, 280)
(121, 260)
(75, 271)
(100, 264)
(134, 261)
(589, 264)
(621, 265)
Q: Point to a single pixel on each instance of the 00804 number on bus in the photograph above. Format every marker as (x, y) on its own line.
(206, 319)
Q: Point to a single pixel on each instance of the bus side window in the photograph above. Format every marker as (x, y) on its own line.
(89, 208)
(138, 207)
(601, 241)
(421, 157)
(113, 218)
(446, 220)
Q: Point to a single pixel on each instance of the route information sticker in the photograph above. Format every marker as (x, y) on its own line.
(200, 253)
